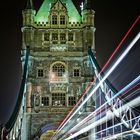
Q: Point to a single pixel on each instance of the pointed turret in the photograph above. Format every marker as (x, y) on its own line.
(29, 5)
(28, 14)
(88, 5)
(28, 22)
(88, 13)
(88, 21)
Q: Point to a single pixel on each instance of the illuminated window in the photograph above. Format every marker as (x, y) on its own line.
(46, 36)
(72, 101)
(54, 36)
(62, 19)
(58, 69)
(76, 72)
(45, 101)
(58, 72)
(40, 73)
(70, 36)
(54, 19)
(58, 99)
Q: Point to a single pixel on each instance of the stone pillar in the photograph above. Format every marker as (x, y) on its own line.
(28, 114)
(29, 98)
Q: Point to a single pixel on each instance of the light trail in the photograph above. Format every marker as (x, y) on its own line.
(116, 125)
(102, 120)
(120, 134)
(85, 120)
(112, 136)
(108, 73)
(117, 48)
(104, 78)
(98, 109)
(130, 29)
(127, 97)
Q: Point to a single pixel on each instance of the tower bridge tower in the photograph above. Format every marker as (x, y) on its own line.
(59, 69)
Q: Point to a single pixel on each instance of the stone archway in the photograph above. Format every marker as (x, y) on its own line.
(47, 131)
(47, 135)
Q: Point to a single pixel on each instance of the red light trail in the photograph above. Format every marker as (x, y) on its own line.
(107, 63)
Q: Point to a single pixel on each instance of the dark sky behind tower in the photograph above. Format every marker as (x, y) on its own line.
(112, 20)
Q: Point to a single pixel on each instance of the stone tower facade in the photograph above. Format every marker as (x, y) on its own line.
(59, 68)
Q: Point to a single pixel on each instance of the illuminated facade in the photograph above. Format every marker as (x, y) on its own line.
(59, 67)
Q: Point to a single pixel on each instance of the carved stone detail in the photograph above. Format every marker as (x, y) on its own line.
(55, 88)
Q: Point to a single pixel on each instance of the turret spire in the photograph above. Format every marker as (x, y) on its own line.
(88, 4)
(29, 4)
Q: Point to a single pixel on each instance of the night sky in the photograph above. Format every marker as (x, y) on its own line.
(112, 20)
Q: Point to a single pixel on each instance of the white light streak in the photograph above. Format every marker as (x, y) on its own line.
(118, 124)
(119, 93)
(102, 120)
(104, 78)
(123, 133)
(117, 134)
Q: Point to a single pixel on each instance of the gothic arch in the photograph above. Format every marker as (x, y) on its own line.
(46, 130)
(58, 72)
(59, 62)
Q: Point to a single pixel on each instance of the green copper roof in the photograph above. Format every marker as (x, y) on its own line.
(43, 12)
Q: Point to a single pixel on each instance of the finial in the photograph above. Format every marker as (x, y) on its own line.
(82, 6)
(88, 4)
(29, 4)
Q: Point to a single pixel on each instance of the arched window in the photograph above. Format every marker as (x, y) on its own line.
(58, 72)
(54, 19)
(58, 69)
